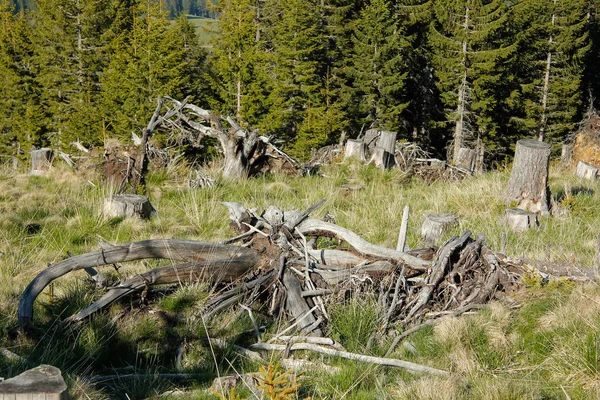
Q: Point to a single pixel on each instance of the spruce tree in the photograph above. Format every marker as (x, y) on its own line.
(471, 60)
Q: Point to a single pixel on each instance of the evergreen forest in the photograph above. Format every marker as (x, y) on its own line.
(442, 73)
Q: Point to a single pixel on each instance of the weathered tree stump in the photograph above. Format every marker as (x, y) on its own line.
(466, 158)
(435, 225)
(43, 382)
(383, 154)
(566, 155)
(355, 148)
(127, 205)
(520, 220)
(41, 160)
(528, 183)
(586, 171)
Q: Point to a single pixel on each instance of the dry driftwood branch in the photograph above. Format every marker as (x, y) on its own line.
(171, 249)
(390, 362)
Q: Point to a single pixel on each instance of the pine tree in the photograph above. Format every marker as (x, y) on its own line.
(21, 119)
(378, 68)
(470, 58)
(70, 57)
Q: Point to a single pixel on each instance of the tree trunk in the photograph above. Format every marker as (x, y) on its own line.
(466, 158)
(355, 148)
(528, 183)
(520, 220)
(127, 205)
(41, 160)
(435, 225)
(586, 171)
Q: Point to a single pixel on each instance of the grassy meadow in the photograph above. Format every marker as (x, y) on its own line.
(543, 342)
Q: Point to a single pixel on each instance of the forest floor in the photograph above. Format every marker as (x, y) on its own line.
(543, 342)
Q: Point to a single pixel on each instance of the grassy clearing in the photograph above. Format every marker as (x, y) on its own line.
(545, 348)
(206, 28)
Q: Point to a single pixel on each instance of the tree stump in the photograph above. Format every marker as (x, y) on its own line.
(127, 205)
(355, 148)
(371, 138)
(586, 171)
(566, 155)
(383, 154)
(520, 220)
(466, 158)
(435, 225)
(43, 382)
(528, 183)
(41, 160)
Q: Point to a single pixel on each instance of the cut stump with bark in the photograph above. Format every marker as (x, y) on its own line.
(528, 183)
(382, 155)
(435, 225)
(127, 205)
(41, 160)
(43, 382)
(520, 220)
(355, 148)
(586, 171)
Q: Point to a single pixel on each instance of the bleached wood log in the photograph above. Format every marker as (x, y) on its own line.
(41, 161)
(390, 362)
(520, 220)
(127, 205)
(43, 382)
(171, 249)
(528, 183)
(401, 245)
(586, 171)
(355, 148)
(435, 225)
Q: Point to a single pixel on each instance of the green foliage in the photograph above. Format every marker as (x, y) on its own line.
(353, 323)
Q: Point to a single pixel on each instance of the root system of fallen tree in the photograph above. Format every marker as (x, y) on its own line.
(276, 264)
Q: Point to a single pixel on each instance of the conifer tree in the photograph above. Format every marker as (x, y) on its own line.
(470, 59)
(21, 119)
(378, 67)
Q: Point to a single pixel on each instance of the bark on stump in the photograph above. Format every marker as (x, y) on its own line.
(43, 382)
(383, 154)
(355, 148)
(466, 158)
(41, 160)
(435, 225)
(520, 220)
(528, 183)
(586, 171)
(127, 205)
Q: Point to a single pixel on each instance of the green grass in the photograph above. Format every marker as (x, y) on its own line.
(544, 347)
(206, 28)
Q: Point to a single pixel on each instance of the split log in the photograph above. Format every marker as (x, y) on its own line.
(435, 225)
(586, 171)
(466, 158)
(127, 205)
(528, 183)
(41, 161)
(171, 249)
(43, 382)
(296, 304)
(320, 228)
(520, 220)
(355, 148)
(390, 362)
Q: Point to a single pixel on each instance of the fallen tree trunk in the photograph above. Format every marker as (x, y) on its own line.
(171, 249)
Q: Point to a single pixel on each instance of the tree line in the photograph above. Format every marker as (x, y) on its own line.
(443, 73)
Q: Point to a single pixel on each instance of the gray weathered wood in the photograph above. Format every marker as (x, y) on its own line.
(355, 148)
(435, 225)
(401, 245)
(586, 171)
(126, 206)
(520, 220)
(296, 304)
(466, 158)
(312, 226)
(528, 183)
(41, 160)
(44, 382)
(566, 155)
(171, 249)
